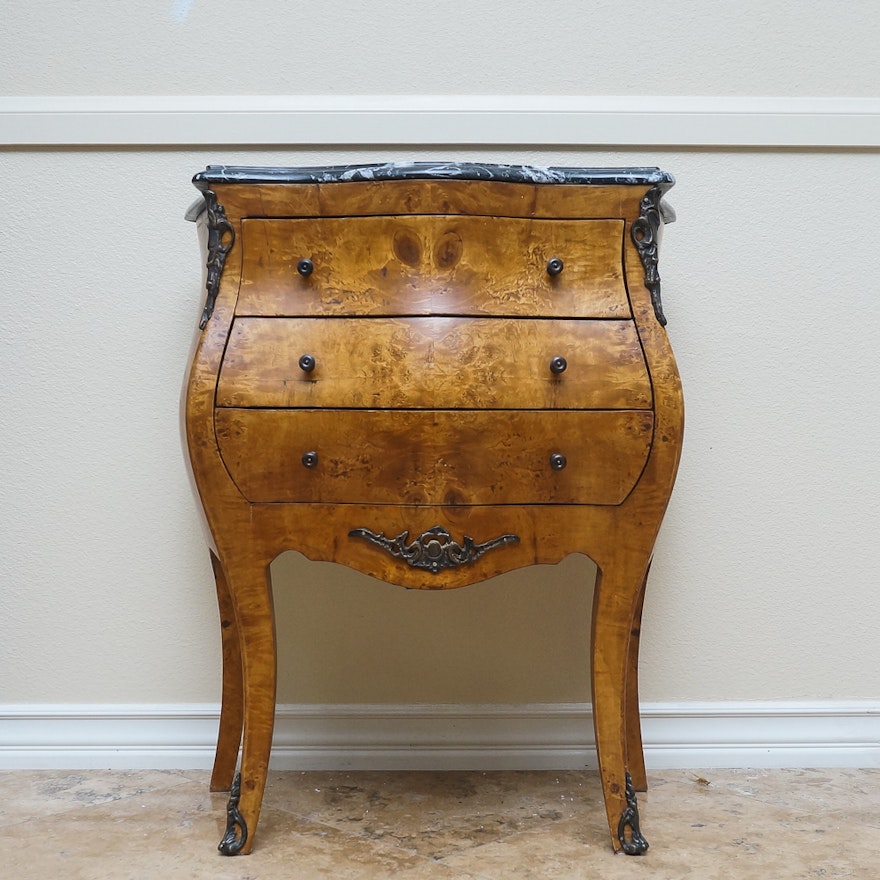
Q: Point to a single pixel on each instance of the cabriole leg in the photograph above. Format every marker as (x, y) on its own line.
(232, 699)
(635, 754)
(615, 599)
(251, 590)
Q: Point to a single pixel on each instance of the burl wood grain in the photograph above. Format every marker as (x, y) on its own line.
(460, 197)
(433, 265)
(451, 457)
(430, 405)
(469, 363)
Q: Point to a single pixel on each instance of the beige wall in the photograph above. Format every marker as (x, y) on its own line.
(210, 47)
(764, 584)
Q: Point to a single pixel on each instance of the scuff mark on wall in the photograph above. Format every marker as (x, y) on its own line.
(180, 10)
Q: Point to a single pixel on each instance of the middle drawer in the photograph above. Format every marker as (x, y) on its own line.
(431, 363)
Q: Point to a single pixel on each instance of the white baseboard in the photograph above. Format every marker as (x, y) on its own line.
(534, 736)
(440, 120)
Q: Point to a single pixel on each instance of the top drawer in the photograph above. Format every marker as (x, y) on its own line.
(428, 264)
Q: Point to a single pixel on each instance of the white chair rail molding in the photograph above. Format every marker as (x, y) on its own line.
(553, 120)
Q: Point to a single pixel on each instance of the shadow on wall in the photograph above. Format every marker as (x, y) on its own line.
(344, 637)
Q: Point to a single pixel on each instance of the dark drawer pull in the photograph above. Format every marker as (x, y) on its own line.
(305, 267)
(310, 459)
(558, 365)
(307, 363)
(558, 461)
(433, 550)
(555, 266)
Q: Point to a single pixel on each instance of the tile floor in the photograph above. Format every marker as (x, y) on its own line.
(162, 825)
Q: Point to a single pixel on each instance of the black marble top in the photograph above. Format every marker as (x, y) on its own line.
(214, 174)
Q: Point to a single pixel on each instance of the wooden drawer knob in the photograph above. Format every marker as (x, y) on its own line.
(558, 365)
(307, 363)
(558, 461)
(310, 459)
(305, 267)
(555, 266)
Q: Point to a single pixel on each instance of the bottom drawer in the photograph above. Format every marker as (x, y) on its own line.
(446, 457)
